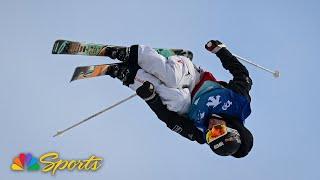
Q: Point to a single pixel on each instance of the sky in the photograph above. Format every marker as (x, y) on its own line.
(37, 99)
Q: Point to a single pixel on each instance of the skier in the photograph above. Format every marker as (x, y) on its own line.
(173, 78)
(217, 110)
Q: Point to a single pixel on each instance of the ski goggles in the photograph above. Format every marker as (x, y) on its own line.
(216, 132)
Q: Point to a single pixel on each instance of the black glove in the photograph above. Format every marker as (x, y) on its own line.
(146, 91)
(214, 46)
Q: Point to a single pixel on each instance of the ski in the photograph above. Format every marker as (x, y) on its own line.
(84, 72)
(92, 49)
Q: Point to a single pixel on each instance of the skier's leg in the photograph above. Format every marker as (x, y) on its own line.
(177, 100)
(131, 75)
(143, 76)
(174, 72)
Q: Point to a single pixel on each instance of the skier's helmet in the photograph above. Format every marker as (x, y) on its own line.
(223, 140)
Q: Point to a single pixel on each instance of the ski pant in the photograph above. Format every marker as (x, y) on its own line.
(174, 72)
(176, 99)
(173, 78)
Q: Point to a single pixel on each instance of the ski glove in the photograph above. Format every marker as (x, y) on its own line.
(146, 91)
(214, 46)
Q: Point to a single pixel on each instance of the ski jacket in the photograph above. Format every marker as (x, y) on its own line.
(214, 93)
(220, 98)
(213, 98)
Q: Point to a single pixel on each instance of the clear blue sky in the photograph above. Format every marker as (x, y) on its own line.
(37, 98)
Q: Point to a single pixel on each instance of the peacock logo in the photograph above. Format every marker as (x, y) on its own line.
(25, 161)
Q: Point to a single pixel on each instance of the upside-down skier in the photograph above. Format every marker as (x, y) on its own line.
(190, 100)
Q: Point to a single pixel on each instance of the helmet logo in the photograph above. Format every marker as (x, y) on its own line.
(216, 146)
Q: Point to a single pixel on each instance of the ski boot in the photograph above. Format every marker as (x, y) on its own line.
(123, 72)
(119, 53)
(117, 70)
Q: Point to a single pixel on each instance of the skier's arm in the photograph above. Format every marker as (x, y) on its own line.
(241, 82)
(174, 121)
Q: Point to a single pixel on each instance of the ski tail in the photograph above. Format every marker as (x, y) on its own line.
(84, 72)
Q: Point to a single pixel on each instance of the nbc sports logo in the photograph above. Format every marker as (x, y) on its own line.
(51, 162)
(25, 161)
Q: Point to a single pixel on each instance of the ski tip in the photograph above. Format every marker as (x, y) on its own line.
(74, 77)
(56, 46)
(75, 74)
(60, 46)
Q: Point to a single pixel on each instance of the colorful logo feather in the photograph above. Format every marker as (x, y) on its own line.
(25, 161)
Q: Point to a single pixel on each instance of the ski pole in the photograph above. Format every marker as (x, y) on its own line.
(275, 73)
(94, 115)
